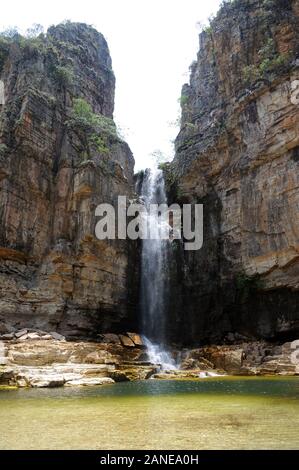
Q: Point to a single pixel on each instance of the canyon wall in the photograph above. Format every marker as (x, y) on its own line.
(238, 153)
(60, 156)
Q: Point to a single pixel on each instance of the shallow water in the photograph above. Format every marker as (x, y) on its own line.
(216, 413)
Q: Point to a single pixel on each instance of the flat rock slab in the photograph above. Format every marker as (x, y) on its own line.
(21, 333)
(126, 341)
(89, 381)
(57, 336)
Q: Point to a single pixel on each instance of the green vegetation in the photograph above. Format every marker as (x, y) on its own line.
(208, 29)
(95, 130)
(251, 73)
(163, 166)
(64, 75)
(184, 100)
(269, 61)
(33, 39)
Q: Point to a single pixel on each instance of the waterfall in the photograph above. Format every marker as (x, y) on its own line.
(155, 275)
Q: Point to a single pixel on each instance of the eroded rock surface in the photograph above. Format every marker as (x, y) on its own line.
(60, 156)
(32, 362)
(253, 358)
(237, 154)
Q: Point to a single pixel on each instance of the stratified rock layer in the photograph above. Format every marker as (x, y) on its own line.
(54, 273)
(237, 153)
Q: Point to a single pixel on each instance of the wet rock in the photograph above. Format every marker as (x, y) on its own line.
(137, 340)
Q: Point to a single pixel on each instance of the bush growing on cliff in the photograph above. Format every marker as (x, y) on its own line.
(269, 61)
(64, 75)
(184, 100)
(251, 73)
(83, 115)
(32, 41)
(94, 129)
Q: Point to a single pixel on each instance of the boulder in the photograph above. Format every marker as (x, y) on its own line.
(233, 360)
(126, 341)
(229, 359)
(137, 340)
(195, 360)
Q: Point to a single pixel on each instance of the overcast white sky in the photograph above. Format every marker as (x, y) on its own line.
(152, 44)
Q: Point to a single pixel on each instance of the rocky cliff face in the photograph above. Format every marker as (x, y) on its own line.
(237, 153)
(60, 157)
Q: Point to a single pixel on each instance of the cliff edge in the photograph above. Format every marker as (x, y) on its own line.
(60, 156)
(237, 153)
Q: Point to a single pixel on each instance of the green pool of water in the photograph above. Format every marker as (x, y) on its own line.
(218, 413)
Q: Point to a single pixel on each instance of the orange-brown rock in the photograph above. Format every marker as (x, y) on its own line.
(54, 273)
(237, 153)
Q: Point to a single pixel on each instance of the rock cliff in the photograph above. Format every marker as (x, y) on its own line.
(237, 153)
(60, 156)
